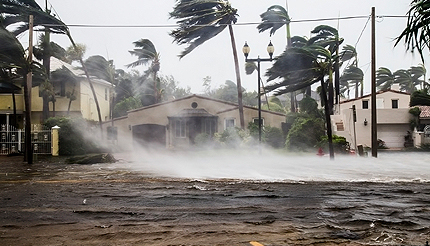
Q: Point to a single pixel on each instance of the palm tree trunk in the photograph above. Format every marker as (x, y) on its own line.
(239, 83)
(47, 65)
(330, 90)
(327, 118)
(90, 82)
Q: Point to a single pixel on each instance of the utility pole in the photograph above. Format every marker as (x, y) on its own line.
(27, 91)
(373, 97)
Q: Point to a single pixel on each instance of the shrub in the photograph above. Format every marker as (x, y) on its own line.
(340, 145)
(73, 136)
(274, 137)
(305, 133)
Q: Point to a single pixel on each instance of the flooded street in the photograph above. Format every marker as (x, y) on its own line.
(136, 202)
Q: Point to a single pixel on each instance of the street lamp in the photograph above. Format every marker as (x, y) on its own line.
(246, 50)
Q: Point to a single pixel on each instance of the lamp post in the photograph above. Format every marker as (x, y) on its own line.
(270, 49)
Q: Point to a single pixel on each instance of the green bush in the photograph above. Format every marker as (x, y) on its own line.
(340, 145)
(72, 136)
(305, 134)
(274, 137)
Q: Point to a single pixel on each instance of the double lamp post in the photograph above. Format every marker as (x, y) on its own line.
(270, 49)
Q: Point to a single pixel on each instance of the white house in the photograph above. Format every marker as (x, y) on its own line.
(393, 119)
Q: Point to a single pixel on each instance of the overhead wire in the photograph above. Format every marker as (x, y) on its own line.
(237, 24)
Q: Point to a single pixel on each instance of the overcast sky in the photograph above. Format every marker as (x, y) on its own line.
(214, 58)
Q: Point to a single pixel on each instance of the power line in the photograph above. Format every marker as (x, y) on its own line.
(237, 24)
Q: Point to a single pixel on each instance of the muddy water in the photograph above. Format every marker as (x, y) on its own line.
(117, 204)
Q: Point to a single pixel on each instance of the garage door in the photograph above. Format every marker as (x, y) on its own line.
(149, 134)
(393, 135)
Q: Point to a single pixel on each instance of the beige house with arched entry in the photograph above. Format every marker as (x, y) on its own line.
(393, 118)
(176, 123)
(83, 105)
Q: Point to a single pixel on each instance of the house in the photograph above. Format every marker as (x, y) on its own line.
(176, 123)
(393, 119)
(83, 105)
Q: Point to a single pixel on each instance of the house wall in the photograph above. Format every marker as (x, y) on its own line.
(158, 114)
(6, 103)
(88, 106)
(393, 123)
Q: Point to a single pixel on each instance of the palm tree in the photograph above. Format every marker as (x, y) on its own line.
(405, 80)
(301, 67)
(416, 35)
(13, 59)
(18, 12)
(44, 51)
(147, 53)
(417, 72)
(384, 78)
(201, 20)
(354, 76)
(274, 18)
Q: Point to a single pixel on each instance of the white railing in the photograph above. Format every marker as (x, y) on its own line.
(12, 139)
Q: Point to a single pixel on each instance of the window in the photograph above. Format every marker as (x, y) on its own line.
(209, 126)
(180, 128)
(365, 104)
(229, 123)
(395, 103)
(60, 89)
(255, 121)
(106, 94)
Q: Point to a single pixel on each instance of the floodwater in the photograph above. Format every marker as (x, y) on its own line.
(212, 198)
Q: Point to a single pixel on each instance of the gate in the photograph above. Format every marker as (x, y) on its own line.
(12, 139)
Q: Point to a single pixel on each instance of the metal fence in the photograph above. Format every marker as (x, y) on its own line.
(12, 139)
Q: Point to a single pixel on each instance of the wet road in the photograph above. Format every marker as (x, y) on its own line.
(109, 204)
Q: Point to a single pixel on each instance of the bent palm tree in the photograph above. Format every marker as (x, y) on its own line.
(18, 12)
(354, 76)
(274, 18)
(301, 67)
(146, 53)
(201, 20)
(384, 78)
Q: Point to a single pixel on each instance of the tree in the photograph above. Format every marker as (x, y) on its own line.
(417, 72)
(416, 35)
(274, 18)
(405, 80)
(44, 51)
(13, 58)
(301, 67)
(384, 78)
(18, 12)
(201, 20)
(146, 53)
(354, 76)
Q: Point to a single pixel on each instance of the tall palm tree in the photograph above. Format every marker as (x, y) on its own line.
(274, 18)
(44, 51)
(301, 67)
(201, 20)
(384, 78)
(147, 53)
(416, 35)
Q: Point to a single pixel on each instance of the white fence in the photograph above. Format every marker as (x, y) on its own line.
(12, 139)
